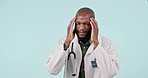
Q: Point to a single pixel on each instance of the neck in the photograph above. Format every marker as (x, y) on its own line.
(84, 40)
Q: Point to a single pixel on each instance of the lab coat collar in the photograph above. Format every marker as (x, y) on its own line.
(75, 40)
(91, 47)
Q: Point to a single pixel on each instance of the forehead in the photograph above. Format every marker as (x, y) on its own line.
(83, 16)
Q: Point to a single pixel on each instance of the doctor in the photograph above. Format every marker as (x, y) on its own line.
(83, 52)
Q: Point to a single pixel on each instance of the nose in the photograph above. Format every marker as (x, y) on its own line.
(81, 26)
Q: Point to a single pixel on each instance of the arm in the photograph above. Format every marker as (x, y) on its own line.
(106, 54)
(107, 59)
(56, 61)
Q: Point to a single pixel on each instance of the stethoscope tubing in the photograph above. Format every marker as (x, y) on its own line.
(72, 52)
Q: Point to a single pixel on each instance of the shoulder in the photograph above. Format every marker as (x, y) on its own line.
(61, 41)
(105, 41)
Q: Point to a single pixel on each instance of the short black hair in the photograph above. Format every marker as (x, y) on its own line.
(86, 9)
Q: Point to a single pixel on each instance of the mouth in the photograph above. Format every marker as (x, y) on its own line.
(82, 34)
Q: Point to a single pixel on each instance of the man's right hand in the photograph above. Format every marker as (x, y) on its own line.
(70, 33)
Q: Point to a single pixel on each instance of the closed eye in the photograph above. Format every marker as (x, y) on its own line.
(87, 23)
(77, 23)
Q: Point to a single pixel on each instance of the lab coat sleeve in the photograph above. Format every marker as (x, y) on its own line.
(56, 61)
(107, 59)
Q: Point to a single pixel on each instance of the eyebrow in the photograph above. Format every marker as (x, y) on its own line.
(84, 21)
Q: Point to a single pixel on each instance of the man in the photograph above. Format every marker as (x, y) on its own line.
(83, 52)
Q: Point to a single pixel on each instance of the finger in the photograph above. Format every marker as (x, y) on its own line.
(72, 21)
(92, 30)
(92, 26)
(70, 27)
(95, 23)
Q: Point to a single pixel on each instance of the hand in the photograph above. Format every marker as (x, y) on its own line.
(70, 33)
(94, 32)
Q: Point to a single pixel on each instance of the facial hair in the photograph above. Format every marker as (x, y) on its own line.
(84, 39)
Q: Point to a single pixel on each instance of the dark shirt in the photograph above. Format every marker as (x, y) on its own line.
(84, 48)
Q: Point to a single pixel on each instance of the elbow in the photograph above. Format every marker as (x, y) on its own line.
(113, 73)
(115, 70)
(52, 72)
(51, 69)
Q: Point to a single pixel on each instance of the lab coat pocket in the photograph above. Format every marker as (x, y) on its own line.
(93, 66)
(94, 63)
(71, 63)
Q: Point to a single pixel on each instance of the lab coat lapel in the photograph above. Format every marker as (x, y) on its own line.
(91, 47)
(78, 52)
(76, 44)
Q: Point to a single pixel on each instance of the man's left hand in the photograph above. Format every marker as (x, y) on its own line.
(94, 32)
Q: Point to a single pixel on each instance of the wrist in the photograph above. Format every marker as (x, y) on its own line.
(96, 43)
(66, 44)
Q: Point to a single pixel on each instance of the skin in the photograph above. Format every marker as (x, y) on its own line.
(83, 27)
(86, 28)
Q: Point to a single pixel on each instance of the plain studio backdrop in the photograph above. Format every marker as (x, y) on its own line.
(30, 29)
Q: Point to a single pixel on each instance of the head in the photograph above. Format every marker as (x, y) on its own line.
(82, 23)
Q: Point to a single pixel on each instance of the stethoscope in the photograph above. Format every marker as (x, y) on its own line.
(73, 73)
(72, 52)
(93, 62)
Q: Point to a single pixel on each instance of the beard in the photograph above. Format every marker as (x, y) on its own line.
(84, 39)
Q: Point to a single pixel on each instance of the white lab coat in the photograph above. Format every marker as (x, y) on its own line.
(105, 55)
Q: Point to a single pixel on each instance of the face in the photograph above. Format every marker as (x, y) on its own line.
(82, 25)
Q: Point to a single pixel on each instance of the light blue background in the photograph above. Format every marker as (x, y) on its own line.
(30, 29)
